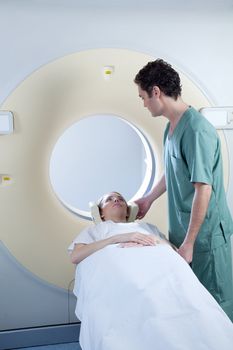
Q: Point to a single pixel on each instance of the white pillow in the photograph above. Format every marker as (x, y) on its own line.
(133, 210)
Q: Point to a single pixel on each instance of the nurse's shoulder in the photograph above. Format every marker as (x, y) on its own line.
(198, 123)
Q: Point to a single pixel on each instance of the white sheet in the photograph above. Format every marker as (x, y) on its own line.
(146, 299)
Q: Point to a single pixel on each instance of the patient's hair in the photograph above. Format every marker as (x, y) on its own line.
(159, 73)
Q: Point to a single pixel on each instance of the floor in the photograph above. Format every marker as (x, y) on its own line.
(67, 346)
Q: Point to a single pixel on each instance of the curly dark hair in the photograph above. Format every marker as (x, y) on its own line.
(159, 73)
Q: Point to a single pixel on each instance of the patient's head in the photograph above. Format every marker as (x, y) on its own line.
(113, 206)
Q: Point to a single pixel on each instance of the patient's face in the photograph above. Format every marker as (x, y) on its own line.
(113, 205)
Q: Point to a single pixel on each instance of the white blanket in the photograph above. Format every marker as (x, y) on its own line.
(146, 299)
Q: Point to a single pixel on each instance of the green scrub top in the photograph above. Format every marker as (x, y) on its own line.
(193, 154)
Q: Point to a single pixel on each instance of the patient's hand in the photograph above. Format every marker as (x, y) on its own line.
(130, 245)
(134, 237)
(137, 245)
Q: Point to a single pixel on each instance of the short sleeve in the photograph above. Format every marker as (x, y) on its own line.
(86, 236)
(199, 149)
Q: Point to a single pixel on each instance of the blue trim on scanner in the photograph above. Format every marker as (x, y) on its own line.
(19, 338)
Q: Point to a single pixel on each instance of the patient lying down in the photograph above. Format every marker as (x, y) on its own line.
(145, 297)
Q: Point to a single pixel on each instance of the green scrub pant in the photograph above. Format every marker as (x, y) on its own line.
(214, 270)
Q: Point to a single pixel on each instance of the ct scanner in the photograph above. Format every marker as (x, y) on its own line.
(36, 228)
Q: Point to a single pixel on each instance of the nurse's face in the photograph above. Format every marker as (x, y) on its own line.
(113, 205)
(153, 102)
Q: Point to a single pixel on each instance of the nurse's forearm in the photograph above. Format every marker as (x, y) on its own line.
(199, 209)
(158, 189)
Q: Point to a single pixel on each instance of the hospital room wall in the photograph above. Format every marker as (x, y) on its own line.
(199, 42)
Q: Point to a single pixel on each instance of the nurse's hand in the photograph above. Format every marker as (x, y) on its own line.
(186, 251)
(144, 205)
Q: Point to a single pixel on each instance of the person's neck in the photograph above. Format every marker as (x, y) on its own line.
(117, 219)
(173, 111)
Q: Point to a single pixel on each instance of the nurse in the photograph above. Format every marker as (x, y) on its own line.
(200, 223)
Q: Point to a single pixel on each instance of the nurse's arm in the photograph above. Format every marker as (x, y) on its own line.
(199, 209)
(144, 203)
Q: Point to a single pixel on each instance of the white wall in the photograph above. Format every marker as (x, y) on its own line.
(195, 35)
